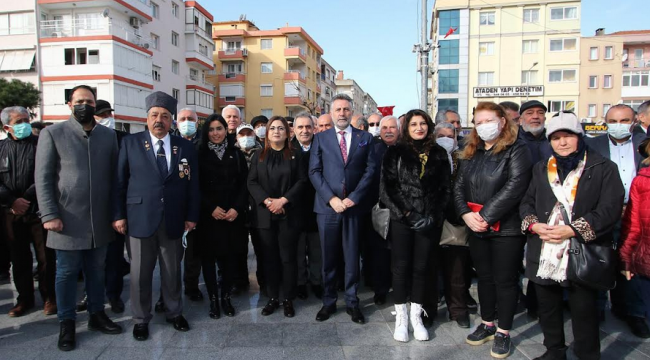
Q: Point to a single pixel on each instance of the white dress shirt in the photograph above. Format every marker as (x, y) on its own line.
(166, 146)
(623, 156)
(348, 137)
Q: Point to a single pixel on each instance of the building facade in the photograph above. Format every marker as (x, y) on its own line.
(328, 86)
(266, 72)
(504, 50)
(353, 90)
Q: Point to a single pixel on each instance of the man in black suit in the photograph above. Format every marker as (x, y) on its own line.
(643, 118)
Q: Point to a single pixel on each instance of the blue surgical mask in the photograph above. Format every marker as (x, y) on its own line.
(618, 131)
(261, 132)
(22, 130)
(187, 128)
(246, 142)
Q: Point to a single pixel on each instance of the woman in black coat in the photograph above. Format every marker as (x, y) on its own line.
(493, 175)
(277, 182)
(415, 186)
(591, 187)
(223, 204)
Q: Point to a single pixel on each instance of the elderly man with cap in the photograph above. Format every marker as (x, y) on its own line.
(532, 132)
(75, 167)
(259, 126)
(104, 114)
(156, 202)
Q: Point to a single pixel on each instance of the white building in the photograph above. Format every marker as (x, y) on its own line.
(328, 86)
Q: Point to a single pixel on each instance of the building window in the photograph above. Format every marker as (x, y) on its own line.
(155, 72)
(485, 78)
(267, 112)
(17, 23)
(93, 56)
(174, 38)
(593, 53)
(448, 81)
(80, 56)
(155, 41)
(448, 52)
(609, 52)
(448, 19)
(486, 48)
(634, 104)
(451, 104)
(607, 81)
(529, 77)
(558, 105)
(606, 109)
(267, 44)
(266, 90)
(175, 66)
(267, 68)
(635, 78)
(486, 18)
(155, 10)
(563, 44)
(233, 45)
(194, 74)
(175, 9)
(530, 46)
(531, 15)
(591, 110)
(176, 94)
(561, 76)
(564, 13)
(593, 81)
(235, 68)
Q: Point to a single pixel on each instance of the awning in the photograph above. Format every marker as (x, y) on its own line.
(15, 60)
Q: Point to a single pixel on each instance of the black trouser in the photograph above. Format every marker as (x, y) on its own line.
(115, 267)
(379, 259)
(192, 263)
(584, 316)
(280, 245)
(240, 276)
(453, 261)
(497, 261)
(412, 255)
(217, 243)
(5, 259)
(21, 231)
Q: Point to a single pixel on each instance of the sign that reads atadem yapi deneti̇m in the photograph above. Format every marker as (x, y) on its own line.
(508, 91)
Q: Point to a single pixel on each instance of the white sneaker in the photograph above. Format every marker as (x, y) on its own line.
(401, 323)
(419, 331)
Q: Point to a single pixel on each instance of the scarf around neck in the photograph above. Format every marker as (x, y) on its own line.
(219, 149)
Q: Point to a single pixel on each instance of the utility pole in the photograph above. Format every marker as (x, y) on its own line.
(422, 49)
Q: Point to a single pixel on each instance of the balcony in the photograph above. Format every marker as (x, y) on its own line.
(295, 75)
(53, 29)
(232, 100)
(140, 9)
(233, 54)
(232, 77)
(193, 28)
(295, 52)
(641, 63)
(197, 81)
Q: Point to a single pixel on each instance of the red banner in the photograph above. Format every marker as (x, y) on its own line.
(386, 110)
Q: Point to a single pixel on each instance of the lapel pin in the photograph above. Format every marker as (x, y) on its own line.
(175, 150)
(146, 145)
(181, 174)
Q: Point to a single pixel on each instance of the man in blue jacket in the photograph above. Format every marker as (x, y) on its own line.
(156, 200)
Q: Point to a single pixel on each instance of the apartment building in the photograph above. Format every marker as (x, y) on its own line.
(362, 102)
(266, 72)
(328, 86)
(124, 49)
(502, 50)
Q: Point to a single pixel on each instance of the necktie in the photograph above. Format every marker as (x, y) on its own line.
(161, 159)
(344, 147)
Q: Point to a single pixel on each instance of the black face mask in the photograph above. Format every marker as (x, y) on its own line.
(84, 113)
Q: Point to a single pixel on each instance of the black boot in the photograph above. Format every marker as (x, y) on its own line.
(99, 321)
(215, 312)
(228, 309)
(67, 336)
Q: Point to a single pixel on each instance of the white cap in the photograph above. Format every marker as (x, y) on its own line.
(565, 121)
(244, 126)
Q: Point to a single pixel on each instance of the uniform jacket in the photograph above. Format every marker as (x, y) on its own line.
(17, 163)
(635, 230)
(145, 198)
(73, 177)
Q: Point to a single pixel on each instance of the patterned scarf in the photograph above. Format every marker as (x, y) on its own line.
(553, 259)
(218, 149)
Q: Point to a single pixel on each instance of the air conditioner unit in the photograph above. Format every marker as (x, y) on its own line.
(230, 98)
(134, 21)
(244, 52)
(146, 45)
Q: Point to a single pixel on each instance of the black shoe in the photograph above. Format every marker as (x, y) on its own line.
(180, 323)
(380, 299)
(4, 275)
(463, 321)
(100, 322)
(638, 326)
(501, 346)
(427, 320)
(227, 307)
(481, 335)
(117, 305)
(270, 307)
(215, 312)
(67, 335)
(471, 304)
(532, 315)
(288, 308)
(141, 332)
(318, 291)
(325, 312)
(619, 313)
(194, 295)
(302, 292)
(355, 315)
(236, 290)
(83, 304)
(559, 354)
(160, 306)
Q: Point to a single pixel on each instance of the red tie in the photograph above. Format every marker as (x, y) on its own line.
(344, 147)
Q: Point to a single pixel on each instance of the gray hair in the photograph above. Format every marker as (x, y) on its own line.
(194, 114)
(441, 116)
(362, 121)
(343, 96)
(389, 117)
(445, 125)
(6, 113)
(223, 111)
(305, 114)
(644, 107)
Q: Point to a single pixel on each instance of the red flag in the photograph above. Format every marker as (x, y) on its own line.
(450, 31)
(386, 110)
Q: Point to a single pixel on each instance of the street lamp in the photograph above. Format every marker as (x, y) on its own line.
(529, 70)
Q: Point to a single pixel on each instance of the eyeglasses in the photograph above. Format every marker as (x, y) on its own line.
(373, 124)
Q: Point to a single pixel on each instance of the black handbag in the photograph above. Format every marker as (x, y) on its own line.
(591, 265)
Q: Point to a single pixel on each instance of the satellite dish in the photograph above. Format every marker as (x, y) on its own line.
(105, 12)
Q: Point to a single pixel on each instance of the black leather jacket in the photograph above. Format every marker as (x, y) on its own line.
(17, 164)
(498, 182)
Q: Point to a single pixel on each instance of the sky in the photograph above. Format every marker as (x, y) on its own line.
(372, 41)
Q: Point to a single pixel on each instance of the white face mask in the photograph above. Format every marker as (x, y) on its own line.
(261, 132)
(489, 131)
(618, 131)
(374, 130)
(246, 142)
(447, 144)
(109, 122)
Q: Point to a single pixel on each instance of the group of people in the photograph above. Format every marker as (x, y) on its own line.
(310, 193)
